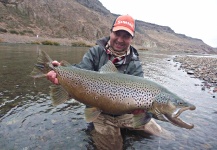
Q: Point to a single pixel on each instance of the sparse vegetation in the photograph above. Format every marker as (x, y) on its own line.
(36, 42)
(13, 32)
(22, 33)
(3, 30)
(28, 31)
(50, 43)
(16, 32)
(143, 49)
(80, 44)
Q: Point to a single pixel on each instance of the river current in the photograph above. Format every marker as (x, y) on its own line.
(29, 121)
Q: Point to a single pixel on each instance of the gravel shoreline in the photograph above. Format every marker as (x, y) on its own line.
(202, 67)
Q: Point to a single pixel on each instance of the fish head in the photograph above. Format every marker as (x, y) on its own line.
(168, 107)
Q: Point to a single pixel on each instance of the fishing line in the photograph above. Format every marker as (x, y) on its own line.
(34, 83)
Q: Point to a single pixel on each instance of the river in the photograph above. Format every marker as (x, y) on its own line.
(29, 121)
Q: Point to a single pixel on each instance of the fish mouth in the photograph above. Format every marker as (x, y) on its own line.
(176, 120)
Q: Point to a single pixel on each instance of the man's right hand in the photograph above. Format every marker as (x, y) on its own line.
(51, 75)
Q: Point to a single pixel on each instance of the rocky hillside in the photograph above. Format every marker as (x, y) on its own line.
(84, 20)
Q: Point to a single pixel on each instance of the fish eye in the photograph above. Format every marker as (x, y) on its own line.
(180, 102)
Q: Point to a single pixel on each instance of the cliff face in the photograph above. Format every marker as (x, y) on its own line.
(87, 20)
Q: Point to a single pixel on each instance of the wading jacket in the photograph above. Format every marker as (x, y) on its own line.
(96, 57)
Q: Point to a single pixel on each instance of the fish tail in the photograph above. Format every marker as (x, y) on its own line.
(43, 65)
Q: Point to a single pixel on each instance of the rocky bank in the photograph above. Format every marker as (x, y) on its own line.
(202, 67)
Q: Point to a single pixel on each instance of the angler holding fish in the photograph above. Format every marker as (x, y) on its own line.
(109, 80)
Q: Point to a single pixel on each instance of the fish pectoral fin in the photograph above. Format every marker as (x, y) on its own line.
(91, 114)
(58, 94)
(141, 119)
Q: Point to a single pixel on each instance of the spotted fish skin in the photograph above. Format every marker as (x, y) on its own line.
(111, 92)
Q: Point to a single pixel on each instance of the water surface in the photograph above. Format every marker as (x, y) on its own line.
(29, 121)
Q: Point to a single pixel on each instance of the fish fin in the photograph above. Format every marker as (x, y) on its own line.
(91, 114)
(58, 94)
(155, 129)
(108, 67)
(65, 63)
(43, 65)
(141, 119)
(36, 73)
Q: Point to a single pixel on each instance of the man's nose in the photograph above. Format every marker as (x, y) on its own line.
(120, 39)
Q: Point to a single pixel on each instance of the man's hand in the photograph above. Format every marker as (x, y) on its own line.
(51, 75)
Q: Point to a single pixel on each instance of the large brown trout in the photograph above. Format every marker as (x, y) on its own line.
(111, 92)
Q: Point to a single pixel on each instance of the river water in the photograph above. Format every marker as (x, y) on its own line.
(29, 121)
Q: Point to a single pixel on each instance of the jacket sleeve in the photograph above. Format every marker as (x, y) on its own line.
(136, 69)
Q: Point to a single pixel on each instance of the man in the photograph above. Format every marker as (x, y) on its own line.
(117, 48)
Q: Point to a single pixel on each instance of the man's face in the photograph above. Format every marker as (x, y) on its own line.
(120, 40)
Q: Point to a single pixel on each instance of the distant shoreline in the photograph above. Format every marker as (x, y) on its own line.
(23, 39)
